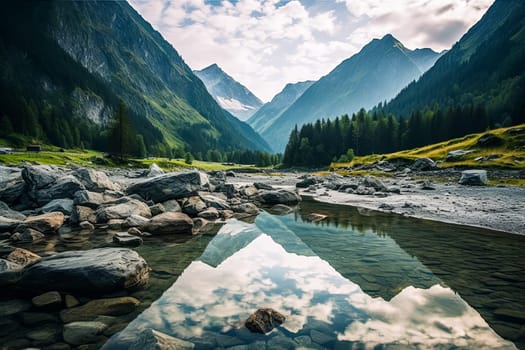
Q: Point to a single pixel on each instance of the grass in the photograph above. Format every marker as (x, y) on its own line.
(511, 152)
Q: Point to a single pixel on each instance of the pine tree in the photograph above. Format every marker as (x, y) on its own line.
(121, 135)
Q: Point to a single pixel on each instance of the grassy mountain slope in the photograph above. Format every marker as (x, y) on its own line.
(76, 59)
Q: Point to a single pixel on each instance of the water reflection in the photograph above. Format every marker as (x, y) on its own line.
(266, 265)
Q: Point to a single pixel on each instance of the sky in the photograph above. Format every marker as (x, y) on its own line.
(265, 44)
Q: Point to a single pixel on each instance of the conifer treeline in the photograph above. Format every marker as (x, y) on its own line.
(318, 144)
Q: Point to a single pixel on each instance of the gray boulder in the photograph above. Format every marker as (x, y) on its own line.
(8, 225)
(279, 197)
(171, 205)
(135, 221)
(154, 170)
(474, 178)
(127, 240)
(150, 339)
(40, 176)
(94, 180)
(170, 186)
(10, 272)
(12, 185)
(99, 271)
(65, 187)
(122, 209)
(375, 183)
(215, 202)
(307, 182)
(63, 205)
(170, 222)
(8, 213)
(456, 155)
(423, 164)
(263, 186)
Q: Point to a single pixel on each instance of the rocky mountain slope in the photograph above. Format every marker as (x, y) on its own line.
(229, 94)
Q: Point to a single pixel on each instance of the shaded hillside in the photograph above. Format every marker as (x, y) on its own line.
(65, 65)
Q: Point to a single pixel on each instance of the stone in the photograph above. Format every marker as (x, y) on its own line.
(102, 270)
(10, 272)
(263, 186)
(474, 178)
(126, 239)
(157, 209)
(364, 191)
(249, 191)
(86, 225)
(423, 164)
(279, 197)
(99, 307)
(427, 185)
(40, 176)
(64, 187)
(122, 210)
(135, 221)
(154, 170)
(34, 318)
(43, 335)
(88, 199)
(150, 339)
(215, 202)
(23, 257)
(264, 320)
(193, 205)
(81, 213)
(386, 207)
(70, 301)
(246, 208)
(456, 155)
(134, 231)
(12, 186)
(94, 180)
(489, 140)
(27, 235)
(48, 299)
(8, 213)
(8, 225)
(170, 222)
(314, 217)
(307, 182)
(78, 333)
(210, 214)
(375, 183)
(45, 223)
(230, 173)
(281, 209)
(63, 205)
(13, 307)
(171, 205)
(170, 186)
(115, 224)
(394, 189)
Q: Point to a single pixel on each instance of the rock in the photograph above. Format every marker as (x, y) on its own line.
(263, 186)
(193, 205)
(215, 202)
(230, 173)
(423, 164)
(102, 270)
(170, 222)
(27, 235)
(246, 208)
(171, 205)
(10, 273)
(23, 257)
(63, 205)
(264, 320)
(394, 189)
(157, 209)
(427, 185)
(375, 183)
(70, 301)
(40, 176)
(313, 217)
(81, 213)
(281, 209)
(89, 199)
(95, 181)
(64, 187)
(13, 307)
(134, 231)
(489, 140)
(8, 225)
(48, 299)
(35, 318)
(210, 214)
(170, 186)
(474, 178)
(150, 339)
(43, 335)
(126, 207)
(78, 333)
(386, 207)
(135, 221)
(307, 182)
(125, 239)
(249, 191)
(456, 155)
(115, 224)
(364, 191)
(279, 197)
(230, 190)
(86, 225)
(97, 307)
(12, 186)
(154, 170)
(8, 213)
(45, 223)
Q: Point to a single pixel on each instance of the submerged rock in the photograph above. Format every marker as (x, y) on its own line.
(78, 333)
(151, 339)
(314, 217)
(99, 307)
(169, 186)
(474, 178)
(126, 239)
(279, 197)
(264, 320)
(102, 270)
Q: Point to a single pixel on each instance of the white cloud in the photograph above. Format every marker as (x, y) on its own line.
(264, 44)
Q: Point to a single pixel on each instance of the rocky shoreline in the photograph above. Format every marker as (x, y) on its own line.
(83, 290)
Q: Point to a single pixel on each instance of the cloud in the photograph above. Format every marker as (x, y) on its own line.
(265, 44)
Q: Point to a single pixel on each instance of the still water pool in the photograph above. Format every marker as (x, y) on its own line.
(358, 280)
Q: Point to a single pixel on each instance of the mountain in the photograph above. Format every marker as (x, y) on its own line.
(230, 94)
(64, 66)
(485, 68)
(377, 73)
(269, 112)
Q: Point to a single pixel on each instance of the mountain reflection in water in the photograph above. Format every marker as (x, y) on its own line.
(247, 266)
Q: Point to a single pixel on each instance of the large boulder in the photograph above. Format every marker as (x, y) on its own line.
(170, 186)
(63, 205)
(45, 223)
(279, 197)
(7, 224)
(375, 183)
(170, 222)
(12, 185)
(215, 202)
(65, 187)
(23, 257)
(95, 181)
(96, 271)
(154, 170)
(40, 176)
(8, 213)
(423, 164)
(122, 209)
(307, 182)
(264, 320)
(10, 272)
(193, 205)
(474, 178)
